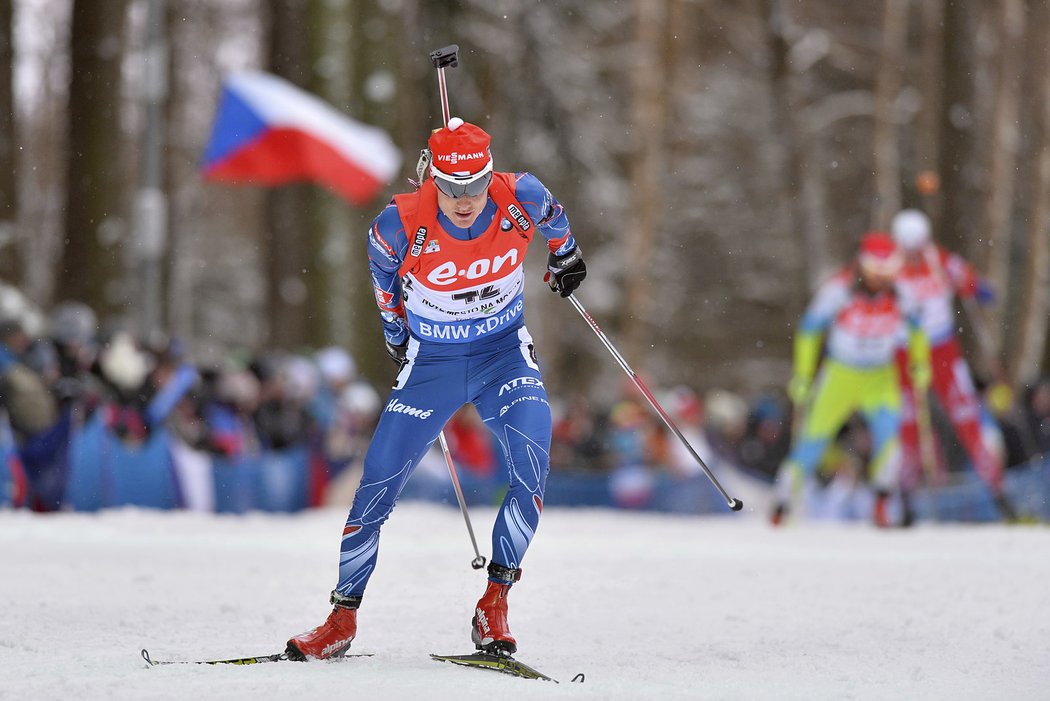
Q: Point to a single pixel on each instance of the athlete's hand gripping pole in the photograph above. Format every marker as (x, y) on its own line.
(731, 502)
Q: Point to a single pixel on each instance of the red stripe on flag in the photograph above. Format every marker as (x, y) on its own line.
(285, 155)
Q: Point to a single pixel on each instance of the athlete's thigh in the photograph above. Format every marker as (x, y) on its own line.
(833, 401)
(414, 413)
(512, 401)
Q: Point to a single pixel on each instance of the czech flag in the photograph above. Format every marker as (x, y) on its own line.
(269, 132)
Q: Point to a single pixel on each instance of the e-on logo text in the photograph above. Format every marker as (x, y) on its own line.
(448, 272)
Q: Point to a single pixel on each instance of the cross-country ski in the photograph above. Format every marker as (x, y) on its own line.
(504, 664)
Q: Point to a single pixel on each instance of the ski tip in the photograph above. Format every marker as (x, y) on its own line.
(145, 656)
(502, 663)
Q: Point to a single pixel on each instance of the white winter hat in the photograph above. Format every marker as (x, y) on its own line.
(911, 229)
(335, 364)
(123, 363)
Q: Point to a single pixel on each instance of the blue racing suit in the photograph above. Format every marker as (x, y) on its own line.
(456, 295)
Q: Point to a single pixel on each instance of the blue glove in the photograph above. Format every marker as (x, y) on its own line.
(984, 294)
(395, 337)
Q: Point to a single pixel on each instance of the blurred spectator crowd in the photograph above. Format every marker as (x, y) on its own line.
(95, 417)
(79, 398)
(751, 437)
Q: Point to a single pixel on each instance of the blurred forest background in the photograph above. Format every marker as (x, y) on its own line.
(717, 158)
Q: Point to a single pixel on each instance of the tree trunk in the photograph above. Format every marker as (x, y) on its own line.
(288, 244)
(931, 70)
(1002, 162)
(413, 68)
(149, 236)
(648, 122)
(331, 241)
(1026, 362)
(959, 158)
(378, 43)
(10, 263)
(887, 88)
(787, 142)
(90, 266)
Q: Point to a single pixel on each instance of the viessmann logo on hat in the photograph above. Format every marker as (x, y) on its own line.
(460, 147)
(455, 157)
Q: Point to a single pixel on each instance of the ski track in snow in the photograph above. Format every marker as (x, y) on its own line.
(647, 606)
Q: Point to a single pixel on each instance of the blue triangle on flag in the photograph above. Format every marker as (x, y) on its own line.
(236, 125)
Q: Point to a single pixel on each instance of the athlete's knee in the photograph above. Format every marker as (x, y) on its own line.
(373, 502)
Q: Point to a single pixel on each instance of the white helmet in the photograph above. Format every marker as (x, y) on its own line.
(911, 229)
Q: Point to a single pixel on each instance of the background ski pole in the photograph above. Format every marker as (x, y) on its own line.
(448, 57)
(732, 503)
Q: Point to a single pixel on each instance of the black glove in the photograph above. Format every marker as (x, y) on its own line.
(397, 352)
(565, 272)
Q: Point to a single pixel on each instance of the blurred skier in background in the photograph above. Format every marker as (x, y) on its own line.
(447, 267)
(857, 320)
(931, 278)
(39, 428)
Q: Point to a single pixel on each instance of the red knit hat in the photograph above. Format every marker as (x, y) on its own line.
(878, 254)
(460, 149)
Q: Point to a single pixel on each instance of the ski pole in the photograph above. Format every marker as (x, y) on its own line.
(931, 471)
(985, 342)
(445, 57)
(479, 560)
(448, 57)
(927, 438)
(731, 502)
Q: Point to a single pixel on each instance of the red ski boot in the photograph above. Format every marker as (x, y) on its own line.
(330, 639)
(489, 628)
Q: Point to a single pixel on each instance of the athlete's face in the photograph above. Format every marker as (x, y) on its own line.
(463, 211)
(877, 282)
(912, 256)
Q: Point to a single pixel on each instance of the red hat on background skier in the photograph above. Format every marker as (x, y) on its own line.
(878, 254)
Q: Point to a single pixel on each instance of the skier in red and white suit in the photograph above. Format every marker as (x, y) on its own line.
(931, 279)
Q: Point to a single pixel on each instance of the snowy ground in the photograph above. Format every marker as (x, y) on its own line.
(647, 606)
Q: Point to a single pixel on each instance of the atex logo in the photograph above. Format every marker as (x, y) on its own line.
(397, 407)
(520, 382)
